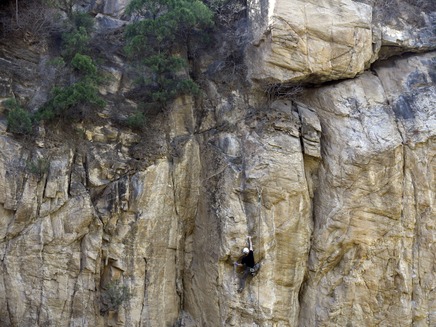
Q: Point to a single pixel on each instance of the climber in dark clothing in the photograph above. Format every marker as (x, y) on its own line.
(247, 261)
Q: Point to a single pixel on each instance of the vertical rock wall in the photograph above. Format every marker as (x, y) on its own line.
(319, 40)
(257, 186)
(368, 237)
(336, 186)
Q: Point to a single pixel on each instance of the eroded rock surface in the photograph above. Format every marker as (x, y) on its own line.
(336, 185)
(363, 266)
(318, 41)
(293, 48)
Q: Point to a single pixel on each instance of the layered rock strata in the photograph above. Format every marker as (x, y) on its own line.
(336, 185)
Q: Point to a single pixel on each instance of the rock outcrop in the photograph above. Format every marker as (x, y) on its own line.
(336, 184)
(370, 257)
(317, 41)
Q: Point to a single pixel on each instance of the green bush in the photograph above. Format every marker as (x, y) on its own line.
(164, 81)
(73, 101)
(136, 121)
(113, 296)
(83, 92)
(57, 62)
(165, 28)
(70, 102)
(84, 20)
(38, 168)
(84, 65)
(168, 24)
(19, 120)
(76, 41)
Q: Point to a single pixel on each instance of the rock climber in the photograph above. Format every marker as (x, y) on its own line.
(247, 261)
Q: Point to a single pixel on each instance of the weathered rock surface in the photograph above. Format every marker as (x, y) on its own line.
(337, 188)
(316, 41)
(293, 48)
(370, 258)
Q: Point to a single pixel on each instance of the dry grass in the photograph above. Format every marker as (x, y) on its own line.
(33, 20)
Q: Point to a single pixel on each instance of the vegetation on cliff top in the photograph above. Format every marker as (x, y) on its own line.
(158, 42)
(72, 99)
(161, 31)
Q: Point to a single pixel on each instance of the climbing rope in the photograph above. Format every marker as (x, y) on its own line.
(259, 211)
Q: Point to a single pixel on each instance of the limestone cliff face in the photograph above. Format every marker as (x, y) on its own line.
(321, 40)
(337, 185)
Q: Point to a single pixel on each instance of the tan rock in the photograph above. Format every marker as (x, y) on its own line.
(310, 131)
(337, 188)
(362, 266)
(311, 40)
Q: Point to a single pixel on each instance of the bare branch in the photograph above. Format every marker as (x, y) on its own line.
(277, 91)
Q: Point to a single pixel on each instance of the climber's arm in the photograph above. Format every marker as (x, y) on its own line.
(250, 244)
(238, 263)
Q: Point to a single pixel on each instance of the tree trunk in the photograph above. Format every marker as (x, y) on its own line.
(16, 11)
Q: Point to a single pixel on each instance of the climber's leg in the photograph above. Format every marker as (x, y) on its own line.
(243, 278)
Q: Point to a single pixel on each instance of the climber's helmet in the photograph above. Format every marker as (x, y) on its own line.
(245, 250)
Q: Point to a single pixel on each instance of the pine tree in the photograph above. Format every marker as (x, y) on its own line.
(161, 29)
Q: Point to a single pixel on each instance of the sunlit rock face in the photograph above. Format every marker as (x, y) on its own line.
(317, 41)
(335, 183)
(374, 209)
(311, 40)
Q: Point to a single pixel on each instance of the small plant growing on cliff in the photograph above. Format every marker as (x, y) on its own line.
(164, 81)
(75, 41)
(78, 37)
(136, 121)
(71, 102)
(38, 168)
(113, 296)
(19, 119)
(84, 65)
